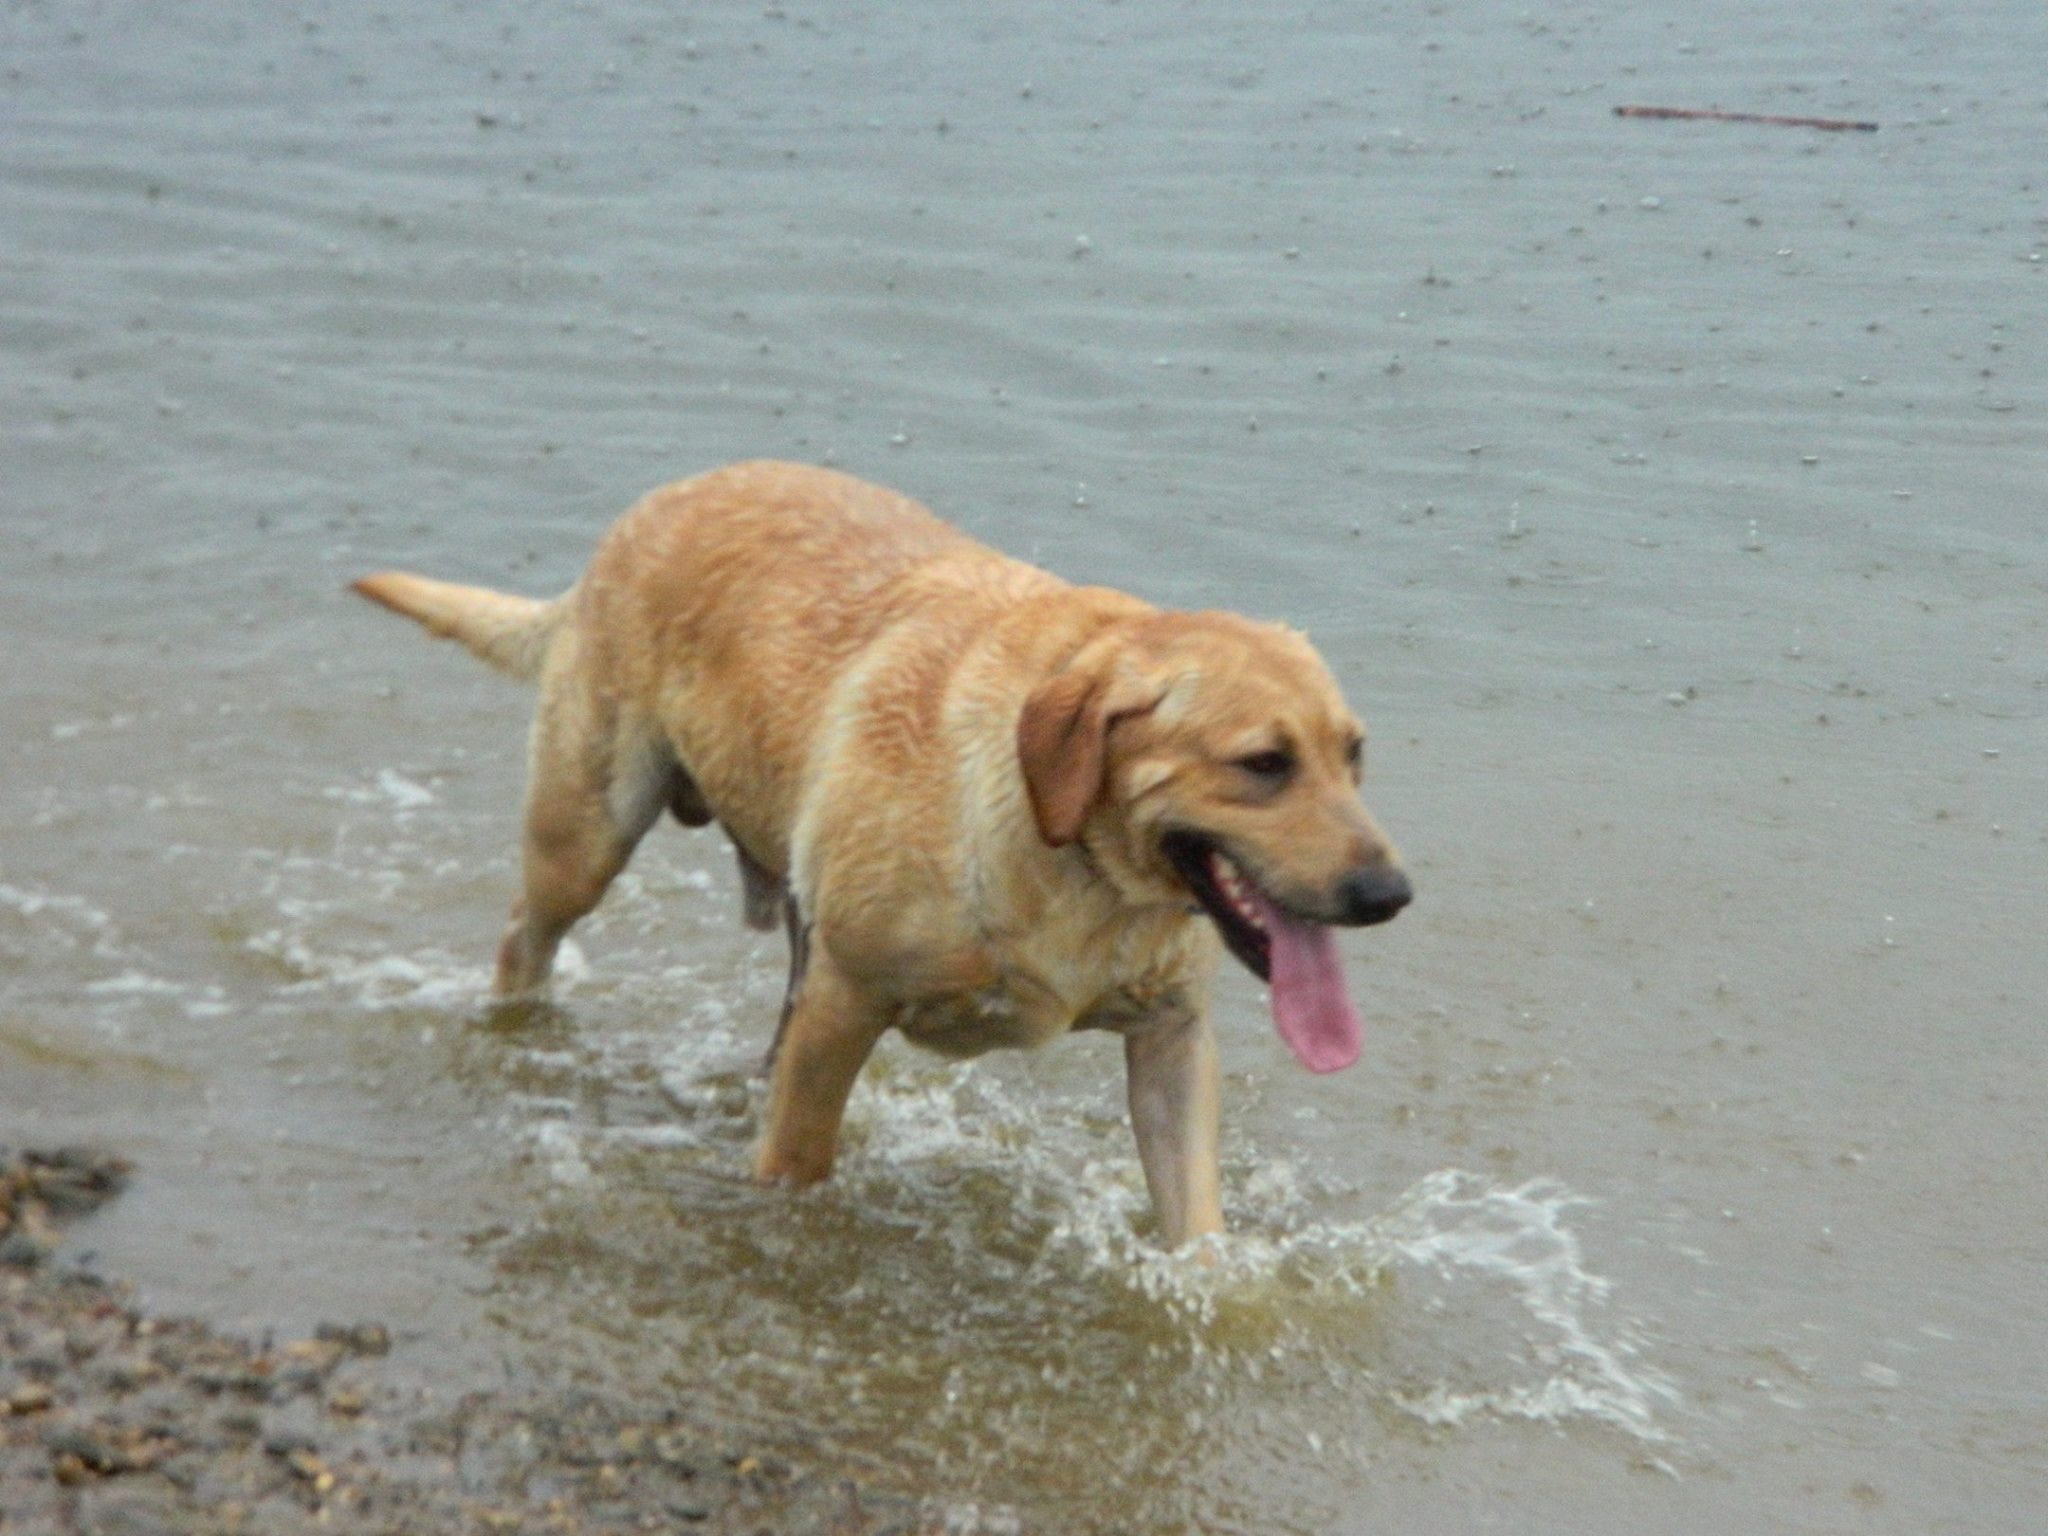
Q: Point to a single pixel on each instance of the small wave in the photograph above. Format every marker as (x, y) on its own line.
(389, 788)
(426, 980)
(402, 792)
(135, 984)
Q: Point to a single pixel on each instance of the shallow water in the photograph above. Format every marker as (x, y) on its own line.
(1667, 495)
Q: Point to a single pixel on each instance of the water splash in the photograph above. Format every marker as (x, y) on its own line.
(1462, 1300)
(1472, 1237)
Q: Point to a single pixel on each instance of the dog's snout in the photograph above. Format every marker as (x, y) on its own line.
(1370, 896)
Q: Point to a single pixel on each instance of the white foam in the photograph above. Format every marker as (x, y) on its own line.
(388, 788)
(403, 792)
(134, 984)
(425, 979)
(571, 965)
(73, 923)
(69, 920)
(560, 1153)
(1474, 1235)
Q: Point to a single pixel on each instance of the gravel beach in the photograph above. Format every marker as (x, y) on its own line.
(116, 1423)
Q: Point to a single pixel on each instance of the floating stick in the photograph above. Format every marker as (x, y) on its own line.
(1693, 114)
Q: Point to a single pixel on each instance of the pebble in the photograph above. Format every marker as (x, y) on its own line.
(357, 1338)
(32, 1398)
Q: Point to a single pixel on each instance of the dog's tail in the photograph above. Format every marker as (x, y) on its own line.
(507, 632)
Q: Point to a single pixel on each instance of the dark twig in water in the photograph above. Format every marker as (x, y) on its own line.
(1691, 114)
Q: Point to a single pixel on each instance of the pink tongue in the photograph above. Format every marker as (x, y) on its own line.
(1311, 1008)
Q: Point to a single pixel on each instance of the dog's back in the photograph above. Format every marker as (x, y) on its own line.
(734, 606)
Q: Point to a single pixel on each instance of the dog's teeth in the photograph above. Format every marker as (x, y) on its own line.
(1234, 888)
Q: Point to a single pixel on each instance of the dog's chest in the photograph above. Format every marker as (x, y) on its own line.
(987, 1018)
(1036, 992)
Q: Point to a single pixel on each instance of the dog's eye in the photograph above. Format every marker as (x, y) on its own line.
(1354, 753)
(1271, 766)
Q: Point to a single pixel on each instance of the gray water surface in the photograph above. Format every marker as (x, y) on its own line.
(1668, 496)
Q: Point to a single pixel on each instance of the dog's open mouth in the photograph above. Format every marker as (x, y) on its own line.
(1297, 958)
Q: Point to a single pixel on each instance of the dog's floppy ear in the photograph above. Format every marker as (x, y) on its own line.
(1062, 741)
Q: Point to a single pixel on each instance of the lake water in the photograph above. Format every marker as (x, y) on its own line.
(1669, 496)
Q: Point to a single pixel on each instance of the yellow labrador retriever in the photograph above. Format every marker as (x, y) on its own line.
(990, 806)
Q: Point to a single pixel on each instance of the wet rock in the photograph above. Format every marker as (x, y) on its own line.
(356, 1338)
(74, 1180)
(31, 1397)
(288, 1444)
(39, 1191)
(239, 1424)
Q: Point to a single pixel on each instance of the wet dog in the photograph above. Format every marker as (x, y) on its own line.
(990, 807)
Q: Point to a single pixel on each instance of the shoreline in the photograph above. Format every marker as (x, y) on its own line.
(115, 1421)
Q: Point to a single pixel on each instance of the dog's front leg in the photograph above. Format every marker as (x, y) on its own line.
(1172, 1076)
(831, 1026)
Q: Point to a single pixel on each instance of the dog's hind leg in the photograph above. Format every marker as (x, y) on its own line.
(767, 897)
(597, 784)
(799, 933)
(765, 894)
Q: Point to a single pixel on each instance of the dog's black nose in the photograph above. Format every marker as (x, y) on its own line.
(1373, 895)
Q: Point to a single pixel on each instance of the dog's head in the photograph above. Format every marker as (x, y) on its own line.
(1206, 757)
